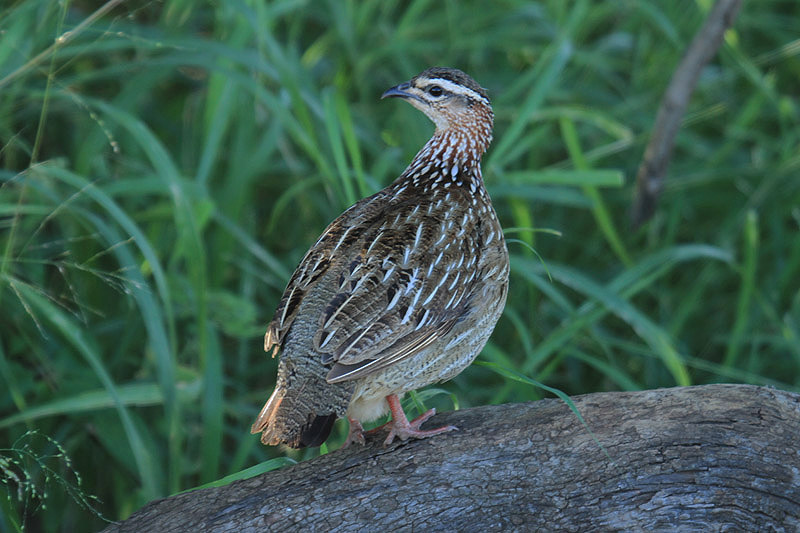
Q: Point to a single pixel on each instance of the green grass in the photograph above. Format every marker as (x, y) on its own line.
(165, 165)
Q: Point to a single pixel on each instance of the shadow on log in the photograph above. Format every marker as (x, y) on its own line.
(706, 458)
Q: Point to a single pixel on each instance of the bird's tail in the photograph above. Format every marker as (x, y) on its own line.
(278, 423)
(301, 413)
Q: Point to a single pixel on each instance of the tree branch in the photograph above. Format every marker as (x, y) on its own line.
(711, 458)
(653, 169)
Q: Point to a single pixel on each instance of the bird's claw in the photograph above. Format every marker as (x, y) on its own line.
(404, 430)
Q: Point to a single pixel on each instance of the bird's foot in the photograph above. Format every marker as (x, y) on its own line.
(404, 430)
(407, 430)
(378, 429)
(356, 434)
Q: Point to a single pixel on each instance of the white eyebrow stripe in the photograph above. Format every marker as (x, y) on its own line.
(455, 88)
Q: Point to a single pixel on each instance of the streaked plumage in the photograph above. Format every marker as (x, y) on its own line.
(402, 290)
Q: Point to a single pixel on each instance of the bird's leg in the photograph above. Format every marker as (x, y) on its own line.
(356, 433)
(404, 429)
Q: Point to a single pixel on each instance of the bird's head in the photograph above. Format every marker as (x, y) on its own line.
(450, 98)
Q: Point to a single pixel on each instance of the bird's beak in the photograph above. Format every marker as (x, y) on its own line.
(399, 91)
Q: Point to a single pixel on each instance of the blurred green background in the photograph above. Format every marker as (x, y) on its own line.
(165, 164)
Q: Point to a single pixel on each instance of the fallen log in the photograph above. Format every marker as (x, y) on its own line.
(704, 458)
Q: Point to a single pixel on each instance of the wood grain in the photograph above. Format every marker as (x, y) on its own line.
(705, 458)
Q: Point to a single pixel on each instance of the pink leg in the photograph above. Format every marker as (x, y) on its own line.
(404, 429)
(356, 433)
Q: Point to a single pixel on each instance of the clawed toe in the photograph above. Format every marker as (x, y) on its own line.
(356, 434)
(399, 426)
(404, 430)
(404, 433)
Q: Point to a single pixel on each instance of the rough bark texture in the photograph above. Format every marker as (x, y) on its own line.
(707, 458)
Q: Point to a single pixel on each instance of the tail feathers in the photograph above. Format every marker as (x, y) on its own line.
(285, 419)
(317, 430)
(267, 412)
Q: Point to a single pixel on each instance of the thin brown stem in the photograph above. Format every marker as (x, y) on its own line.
(653, 169)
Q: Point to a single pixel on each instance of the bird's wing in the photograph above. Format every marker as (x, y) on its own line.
(340, 234)
(410, 280)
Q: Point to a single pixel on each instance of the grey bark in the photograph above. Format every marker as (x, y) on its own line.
(705, 458)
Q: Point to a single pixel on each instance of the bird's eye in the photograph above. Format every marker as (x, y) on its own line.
(435, 90)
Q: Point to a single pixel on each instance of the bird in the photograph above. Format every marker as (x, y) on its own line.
(400, 291)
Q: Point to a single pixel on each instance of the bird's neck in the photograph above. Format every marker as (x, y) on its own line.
(449, 155)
